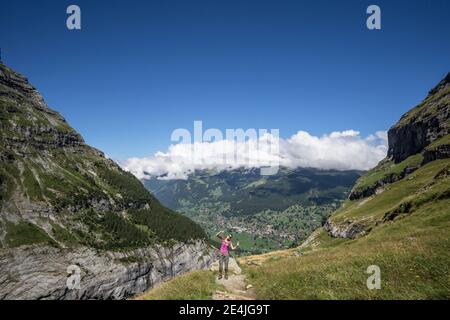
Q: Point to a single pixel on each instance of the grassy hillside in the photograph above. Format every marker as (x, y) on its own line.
(412, 251)
(196, 285)
(426, 184)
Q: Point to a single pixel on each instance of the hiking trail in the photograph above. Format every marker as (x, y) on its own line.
(235, 289)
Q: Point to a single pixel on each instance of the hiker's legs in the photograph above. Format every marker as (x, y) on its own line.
(221, 261)
(226, 258)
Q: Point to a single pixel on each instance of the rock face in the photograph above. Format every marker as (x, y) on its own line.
(64, 203)
(420, 136)
(377, 186)
(348, 229)
(38, 272)
(15, 87)
(415, 133)
(422, 125)
(440, 152)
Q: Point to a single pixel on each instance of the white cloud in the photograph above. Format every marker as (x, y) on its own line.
(343, 150)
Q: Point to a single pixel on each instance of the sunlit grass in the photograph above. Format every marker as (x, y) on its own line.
(413, 254)
(196, 285)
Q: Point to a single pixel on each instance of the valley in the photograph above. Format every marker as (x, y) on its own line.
(263, 213)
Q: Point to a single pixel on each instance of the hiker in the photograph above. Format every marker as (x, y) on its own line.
(223, 256)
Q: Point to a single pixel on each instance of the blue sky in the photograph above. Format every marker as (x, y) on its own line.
(140, 69)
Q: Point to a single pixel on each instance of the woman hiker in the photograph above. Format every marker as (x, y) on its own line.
(223, 256)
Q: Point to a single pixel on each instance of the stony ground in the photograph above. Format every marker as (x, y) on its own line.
(235, 289)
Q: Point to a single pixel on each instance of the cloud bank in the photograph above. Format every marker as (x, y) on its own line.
(345, 150)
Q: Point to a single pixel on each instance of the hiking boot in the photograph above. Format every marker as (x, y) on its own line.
(226, 276)
(219, 277)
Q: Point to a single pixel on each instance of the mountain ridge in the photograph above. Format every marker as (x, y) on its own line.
(56, 192)
(422, 125)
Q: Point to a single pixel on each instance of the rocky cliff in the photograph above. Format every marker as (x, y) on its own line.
(420, 136)
(422, 125)
(64, 203)
(39, 272)
(419, 141)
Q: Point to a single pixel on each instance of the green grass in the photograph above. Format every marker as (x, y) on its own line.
(412, 250)
(413, 254)
(196, 285)
(138, 228)
(251, 244)
(63, 235)
(26, 233)
(385, 170)
(125, 183)
(33, 189)
(167, 224)
(110, 231)
(7, 181)
(445, 140)
(419, 184)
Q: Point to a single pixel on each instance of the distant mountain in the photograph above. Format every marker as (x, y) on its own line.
(265, 212)
(60, 194)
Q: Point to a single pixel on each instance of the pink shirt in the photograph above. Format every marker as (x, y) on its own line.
(224, 247)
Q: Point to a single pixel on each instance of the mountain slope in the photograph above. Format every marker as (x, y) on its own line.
(397, 218)
(47, 171)
(264, 212)
(57, 191)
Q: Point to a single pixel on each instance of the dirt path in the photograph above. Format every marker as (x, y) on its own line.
(235, 289)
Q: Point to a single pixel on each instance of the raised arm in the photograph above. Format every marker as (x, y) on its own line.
(218, 234)
(233, 247)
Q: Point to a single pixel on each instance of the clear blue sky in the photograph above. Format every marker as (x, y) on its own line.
(139, 69)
